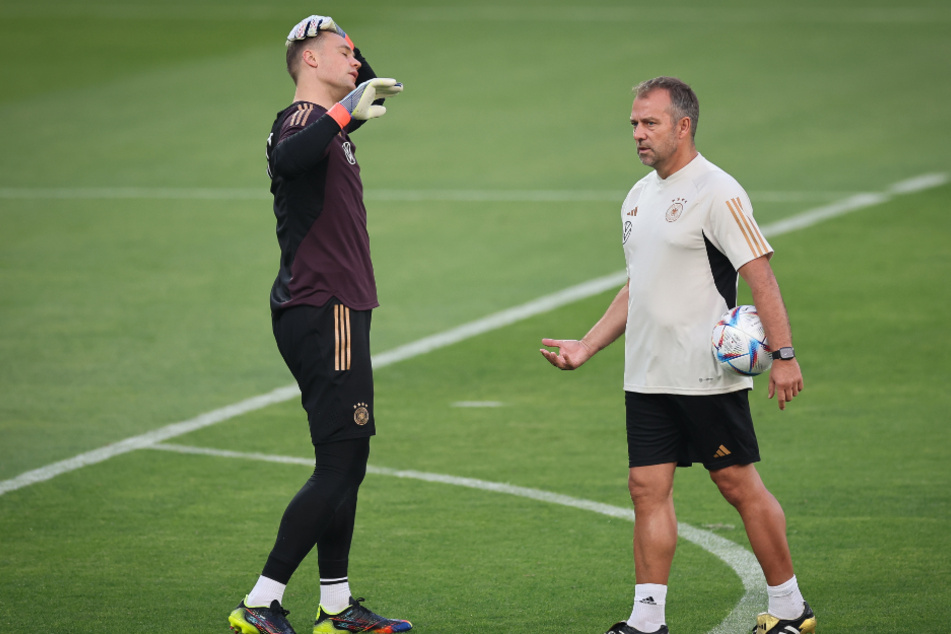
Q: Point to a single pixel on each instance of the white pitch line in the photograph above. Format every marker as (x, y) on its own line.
(501, 319)
(279, 395)
(449, 337)
(739, 559)
(853, 203)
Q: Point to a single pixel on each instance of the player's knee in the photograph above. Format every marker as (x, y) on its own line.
(731, 493)
(635, 487)
(646, 491)
(737, 484)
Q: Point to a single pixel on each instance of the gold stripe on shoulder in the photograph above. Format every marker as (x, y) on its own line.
(303, 112)
(736, 217)
(754, 239)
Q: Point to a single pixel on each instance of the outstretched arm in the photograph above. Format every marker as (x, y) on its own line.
(573, 353)
(785, 377)
(303, 149)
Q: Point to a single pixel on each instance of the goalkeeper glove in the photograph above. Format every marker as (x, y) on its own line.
(359, 103)
(310, 26)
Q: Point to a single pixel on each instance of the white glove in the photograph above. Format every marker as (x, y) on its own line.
(310, 26)
(359, 103)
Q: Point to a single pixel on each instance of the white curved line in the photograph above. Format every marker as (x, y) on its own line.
(740, 560)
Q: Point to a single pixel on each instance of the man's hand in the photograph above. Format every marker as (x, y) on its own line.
(785, 381)
(359, 103)
(785, 377)
(310, 26)
(571, 353)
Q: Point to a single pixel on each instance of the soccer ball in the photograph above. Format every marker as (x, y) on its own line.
(739, 342)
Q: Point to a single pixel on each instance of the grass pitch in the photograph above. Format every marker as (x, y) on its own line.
(137, 251)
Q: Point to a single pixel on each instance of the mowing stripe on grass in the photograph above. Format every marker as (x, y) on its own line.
(740, 560)
(391, 195)
(449, 337)
(907, 15)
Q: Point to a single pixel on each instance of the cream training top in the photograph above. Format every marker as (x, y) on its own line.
(684, 239)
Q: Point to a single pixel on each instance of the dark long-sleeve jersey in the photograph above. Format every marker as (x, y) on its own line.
(318, 205)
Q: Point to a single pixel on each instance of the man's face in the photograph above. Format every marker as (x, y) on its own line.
(336, 65)
(655, 131)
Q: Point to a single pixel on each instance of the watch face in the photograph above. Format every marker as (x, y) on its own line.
(785, 353)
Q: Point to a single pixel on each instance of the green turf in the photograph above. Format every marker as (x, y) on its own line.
(124, 313)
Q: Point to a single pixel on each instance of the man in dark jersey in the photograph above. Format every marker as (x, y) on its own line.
(321, 304)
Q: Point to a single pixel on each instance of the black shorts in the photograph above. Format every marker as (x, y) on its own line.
(327, 349)
(716, 430)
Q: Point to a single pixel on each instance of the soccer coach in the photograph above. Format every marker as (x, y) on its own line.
(687, 233)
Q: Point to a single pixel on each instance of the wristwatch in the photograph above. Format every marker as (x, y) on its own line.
(784, 354)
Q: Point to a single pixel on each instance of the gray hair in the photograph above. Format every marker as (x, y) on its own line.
(683, 100)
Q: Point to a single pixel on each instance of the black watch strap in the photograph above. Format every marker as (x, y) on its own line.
(784, 354)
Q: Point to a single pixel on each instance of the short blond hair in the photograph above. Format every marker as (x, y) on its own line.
(294, 51)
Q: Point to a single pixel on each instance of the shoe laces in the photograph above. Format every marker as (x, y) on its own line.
(355, 604)
(372, 618)
(277, 607)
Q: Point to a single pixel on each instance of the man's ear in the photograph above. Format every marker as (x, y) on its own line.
(309, 57)
(683, 127)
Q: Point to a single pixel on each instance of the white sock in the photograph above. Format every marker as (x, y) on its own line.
(650, 600)
(334, 595)
(265, 591)
(785, 600)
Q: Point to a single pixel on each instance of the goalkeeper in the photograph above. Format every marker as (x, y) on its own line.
(321, 304)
